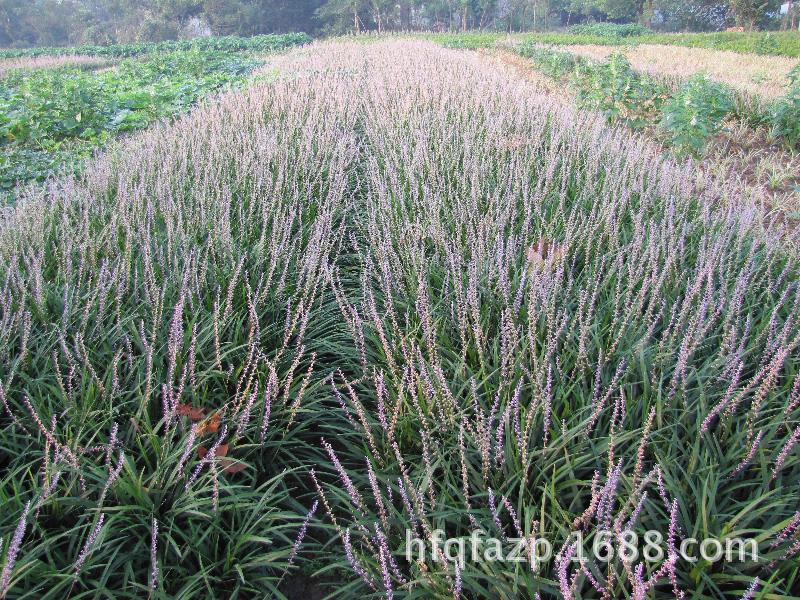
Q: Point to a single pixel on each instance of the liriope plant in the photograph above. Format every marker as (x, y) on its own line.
(389, 291)
(157, 366)
(548, 322)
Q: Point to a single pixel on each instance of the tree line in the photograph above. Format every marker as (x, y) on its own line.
(63, 22)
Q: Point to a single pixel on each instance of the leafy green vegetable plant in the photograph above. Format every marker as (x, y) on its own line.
(695, 113)
(618, 91)
(785, 117)
(68, 113)
(258, 43)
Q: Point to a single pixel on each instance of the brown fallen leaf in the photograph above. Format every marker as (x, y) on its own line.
(512, 142)
(210, 425)
(187, 410)
(544, 253)
(222, 450)
(231, 466)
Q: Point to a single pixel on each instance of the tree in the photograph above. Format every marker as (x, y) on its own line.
(692, 15)
(13, 29)
(227, 17)
(344, 16)
(282, 16)
(621, 10)
(748, 12)
(62, 22)
(789, 20)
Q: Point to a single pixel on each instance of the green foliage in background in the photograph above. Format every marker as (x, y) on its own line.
(779, 43)
(783, 43)
(689, 115)
(467, 41)
(554, 63)
(611, 87)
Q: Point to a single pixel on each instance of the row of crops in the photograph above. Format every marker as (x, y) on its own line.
(784, 43)
(52, 119)
(259, 43)
(689, 114)
(761, 43)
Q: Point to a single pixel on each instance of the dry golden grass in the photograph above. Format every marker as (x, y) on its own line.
(761, 76)
(51, 62)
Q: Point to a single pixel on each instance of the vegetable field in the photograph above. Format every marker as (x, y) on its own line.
(382, 314)
(258, 43)
(56, 110)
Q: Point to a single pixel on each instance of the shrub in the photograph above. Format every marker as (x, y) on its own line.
(612, 87)
(785, 116)
(695, 113)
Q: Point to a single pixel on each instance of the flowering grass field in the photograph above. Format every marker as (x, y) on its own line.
(389, 290)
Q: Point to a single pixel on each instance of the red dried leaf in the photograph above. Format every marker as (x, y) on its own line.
(195, 414)
(513, 142)
(210, 425)
(222, 450)
(544, 252)
(231, 466)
